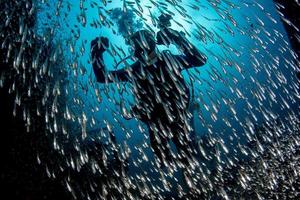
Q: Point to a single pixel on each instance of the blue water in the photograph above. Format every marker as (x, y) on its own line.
(242, 62)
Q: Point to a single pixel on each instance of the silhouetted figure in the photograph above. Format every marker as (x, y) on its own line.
(161, 95)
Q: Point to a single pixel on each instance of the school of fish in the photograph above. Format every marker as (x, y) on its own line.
(244, 113)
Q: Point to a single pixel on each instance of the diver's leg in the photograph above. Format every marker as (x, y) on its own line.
(154, 144)
(159, 144)
(182, 142)
(187, 163)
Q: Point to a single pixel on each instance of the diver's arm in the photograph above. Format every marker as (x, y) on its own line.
(192, 56)
(98, 47)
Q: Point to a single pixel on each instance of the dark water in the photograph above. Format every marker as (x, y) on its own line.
(244, 106)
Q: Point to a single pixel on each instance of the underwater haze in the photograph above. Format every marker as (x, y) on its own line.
(243, 111)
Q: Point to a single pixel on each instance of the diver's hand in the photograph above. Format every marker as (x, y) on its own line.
(99, 45)
(173, 34)
(169, 36)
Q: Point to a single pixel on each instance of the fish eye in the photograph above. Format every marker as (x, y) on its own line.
(131, 49)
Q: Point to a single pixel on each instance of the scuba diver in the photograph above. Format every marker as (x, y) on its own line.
(161, 95)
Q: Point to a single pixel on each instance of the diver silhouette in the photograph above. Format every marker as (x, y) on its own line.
(161, 95)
